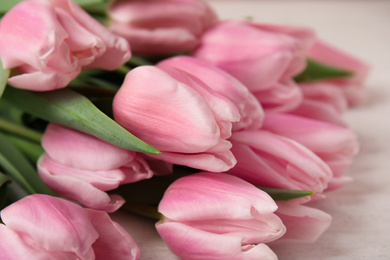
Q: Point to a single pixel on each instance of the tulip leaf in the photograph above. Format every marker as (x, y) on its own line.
(319, 71)
(283, 194)
(3, 78)
(68, 108)
(19, 168)
(30, 149)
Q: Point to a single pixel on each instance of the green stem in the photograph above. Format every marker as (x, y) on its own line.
(123, 70)
(20, 130)
(139, 61)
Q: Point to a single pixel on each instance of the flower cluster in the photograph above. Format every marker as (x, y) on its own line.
(237, 123)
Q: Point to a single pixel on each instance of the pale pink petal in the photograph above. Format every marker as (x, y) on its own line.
(256, 57)
(304, 224)
(39, 25)
(199, 244)
(223, 83)
(79, 150)
(296, 164)
(113, 242)
(117, 49)
(231, 197)
(73, 229)
(164, 112)
(77, 189)
(281, 97)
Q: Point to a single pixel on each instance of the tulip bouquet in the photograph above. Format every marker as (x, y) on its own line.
(221, 130)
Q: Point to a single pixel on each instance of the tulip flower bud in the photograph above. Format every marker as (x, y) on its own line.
(218, 215)
(335, 145)
(271, 160)
(53, 42)
(44, 227)
(82, 167)
(160, 26)
(222, 83)
(185, 120)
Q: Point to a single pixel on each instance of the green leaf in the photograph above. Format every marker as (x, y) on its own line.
(318, 71)
(68, 108)
(30, 149)
(19, 168)
(282, 194)
(3, 78)
(6, 5)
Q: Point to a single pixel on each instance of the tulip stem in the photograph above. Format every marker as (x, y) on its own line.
(20, 130)
(144, 210)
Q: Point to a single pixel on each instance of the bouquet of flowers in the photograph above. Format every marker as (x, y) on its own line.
(220, 130)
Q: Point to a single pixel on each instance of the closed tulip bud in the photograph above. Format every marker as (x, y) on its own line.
(218, 215)
(160, 26)
(271, 160)
(257, 55)
(43, 227)
(224, 84)
(53, 42)
(185, 120)
(335, 145)
(82, 167)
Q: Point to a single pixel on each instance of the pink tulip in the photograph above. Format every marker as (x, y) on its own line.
(53, 42)
(319, 110)
(281, 97)
(271, 160)
(352, 87)
(224, 84)
(218, 216)
(303, 224)
(160, 26)
(185, 120)
(263, 57)
(43, 227)
(82, 167)
(327, 93)
(257, 55)
(335, 145)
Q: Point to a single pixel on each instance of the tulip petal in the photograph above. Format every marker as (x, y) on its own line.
(73, 229)
(153, 106)
(199, 244)
(231, 197)
(113, 242)
(304, 224)
(79, 150)
(77, 189)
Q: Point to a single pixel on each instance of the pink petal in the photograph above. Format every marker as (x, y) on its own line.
(193, 244)
(79, 150)
(39, 215)
(113, 242)
(304, 224)
(153, 106)
(218, 195)
(77, 189)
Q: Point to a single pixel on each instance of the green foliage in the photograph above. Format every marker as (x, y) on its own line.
(318, 71)
(3, 78)
(283, 194)
(68, 108)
